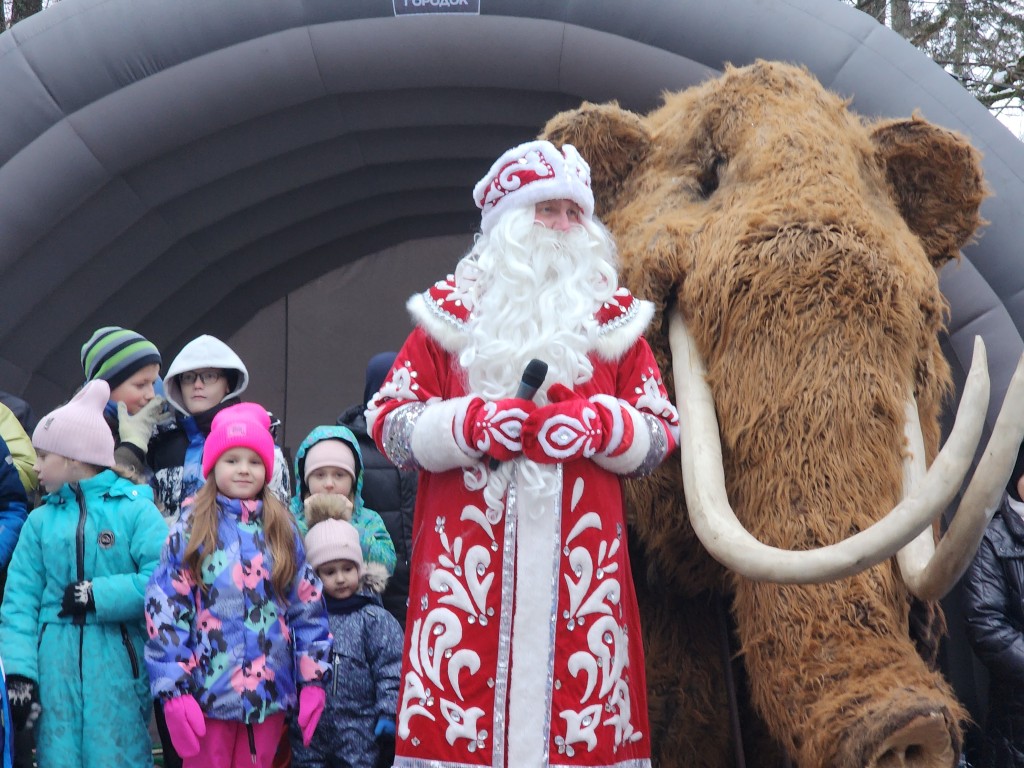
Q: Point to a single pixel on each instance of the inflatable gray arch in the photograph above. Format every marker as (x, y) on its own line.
(174, 168)
(177, 167)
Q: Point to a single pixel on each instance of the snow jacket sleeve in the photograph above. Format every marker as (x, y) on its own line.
(383, 642)
(119, 597)
(307, 623)
(23, 596)
(374, 538)
(170, 622)
(13, 505)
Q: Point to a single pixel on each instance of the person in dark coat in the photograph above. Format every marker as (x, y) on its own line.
(386, 489)
(994, 609)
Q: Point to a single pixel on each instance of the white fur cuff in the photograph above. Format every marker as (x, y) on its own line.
(634, 455)
(433, 440)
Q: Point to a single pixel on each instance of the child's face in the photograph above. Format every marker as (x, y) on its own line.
(329, 480)
(54, 470)
(137, 390)
(239, 473)
(340, 578)
(199, 395)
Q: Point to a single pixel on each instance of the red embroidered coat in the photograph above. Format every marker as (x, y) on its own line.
(523, 643)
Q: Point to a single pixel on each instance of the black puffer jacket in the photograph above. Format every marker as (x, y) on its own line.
(994, 604)
(392, 494)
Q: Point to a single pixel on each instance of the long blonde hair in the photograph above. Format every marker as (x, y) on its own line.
(278, 533)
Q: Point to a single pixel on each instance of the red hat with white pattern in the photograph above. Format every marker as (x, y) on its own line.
(532, 173)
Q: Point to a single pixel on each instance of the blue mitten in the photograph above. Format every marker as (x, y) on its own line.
(385, 727)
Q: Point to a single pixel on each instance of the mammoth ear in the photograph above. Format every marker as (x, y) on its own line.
(611, 139)
(936, 181)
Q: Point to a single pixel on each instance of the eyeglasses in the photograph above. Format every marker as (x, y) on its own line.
(188, 378)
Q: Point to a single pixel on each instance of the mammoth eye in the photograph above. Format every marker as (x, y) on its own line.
(708, 179)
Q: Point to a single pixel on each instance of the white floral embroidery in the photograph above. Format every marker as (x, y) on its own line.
(415, 699)
(593, 599)
(653, 399)
(461, 723)
(580, 727)
(461, 583)
(401, 386)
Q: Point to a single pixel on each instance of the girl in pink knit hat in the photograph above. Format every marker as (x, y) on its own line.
(71, 625)
(235, 597)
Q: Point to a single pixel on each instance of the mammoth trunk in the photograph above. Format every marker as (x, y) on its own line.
(836, 682)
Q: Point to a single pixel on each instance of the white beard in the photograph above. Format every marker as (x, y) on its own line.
(533, 293)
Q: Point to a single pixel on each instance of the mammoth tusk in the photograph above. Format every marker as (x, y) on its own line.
(731, 544)
(930, 572)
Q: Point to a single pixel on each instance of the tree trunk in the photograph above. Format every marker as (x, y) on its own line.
(874, 8)
(901, 18)
(22, 9)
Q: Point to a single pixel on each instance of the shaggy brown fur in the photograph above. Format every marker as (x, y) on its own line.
(801, 245)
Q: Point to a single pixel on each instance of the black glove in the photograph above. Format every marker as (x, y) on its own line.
(78, 599)
(24, 698)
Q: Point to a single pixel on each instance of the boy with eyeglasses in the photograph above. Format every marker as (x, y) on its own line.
(206, 377)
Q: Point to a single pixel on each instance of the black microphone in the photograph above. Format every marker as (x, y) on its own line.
(533, 377)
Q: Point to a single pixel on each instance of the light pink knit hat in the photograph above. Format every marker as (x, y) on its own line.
(334, 540)
(330, 452)
(246, 425)
(77, 430)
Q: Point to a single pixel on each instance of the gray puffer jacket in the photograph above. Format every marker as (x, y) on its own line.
(367, 665)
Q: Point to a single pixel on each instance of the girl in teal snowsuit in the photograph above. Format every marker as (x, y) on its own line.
(72, 631)
(329, 448)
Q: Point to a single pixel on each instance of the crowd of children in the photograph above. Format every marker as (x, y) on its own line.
(167, 568)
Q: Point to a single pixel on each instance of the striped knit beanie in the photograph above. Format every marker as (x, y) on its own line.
(115, 354)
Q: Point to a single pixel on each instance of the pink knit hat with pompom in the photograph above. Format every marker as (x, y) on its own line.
(331, 540)
(77, 430)
(246, 425)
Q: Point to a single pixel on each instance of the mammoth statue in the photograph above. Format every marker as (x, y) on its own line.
(792, 251)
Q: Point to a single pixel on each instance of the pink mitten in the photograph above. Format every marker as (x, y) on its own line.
(185, 724)
(311, 705)
(569, 427)
(494, 427)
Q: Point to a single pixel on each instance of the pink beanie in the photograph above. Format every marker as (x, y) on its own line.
(77, 430)
(334, 540)
(331, 452)
(245, 425)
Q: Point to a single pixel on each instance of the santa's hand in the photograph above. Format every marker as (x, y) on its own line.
(569, 427)
(494, 427)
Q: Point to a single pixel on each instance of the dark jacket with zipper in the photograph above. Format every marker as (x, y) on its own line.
(93, 686)
(994, 605)
(392, 494)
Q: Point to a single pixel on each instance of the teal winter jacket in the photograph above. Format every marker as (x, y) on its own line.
(374, 538)
(93, 687)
